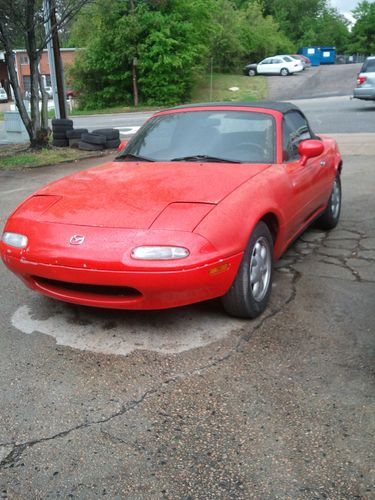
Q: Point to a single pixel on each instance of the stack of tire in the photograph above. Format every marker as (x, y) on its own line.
(75, 136)
(103, 138)
(60, 127)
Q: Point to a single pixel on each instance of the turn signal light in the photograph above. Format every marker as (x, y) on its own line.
(219, 269)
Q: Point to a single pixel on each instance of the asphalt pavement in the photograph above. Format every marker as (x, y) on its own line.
(191, 404)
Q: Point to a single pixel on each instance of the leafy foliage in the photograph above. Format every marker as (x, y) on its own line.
(164, 46)
(363, 33)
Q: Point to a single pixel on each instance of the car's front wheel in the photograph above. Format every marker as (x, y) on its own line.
(251, 289)
(330, 217)
(252, 72)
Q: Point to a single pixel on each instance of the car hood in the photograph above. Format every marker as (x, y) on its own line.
(133, 195)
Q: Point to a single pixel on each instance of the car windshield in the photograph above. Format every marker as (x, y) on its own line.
(218, 135)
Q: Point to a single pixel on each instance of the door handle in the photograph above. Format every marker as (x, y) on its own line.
(322, 163)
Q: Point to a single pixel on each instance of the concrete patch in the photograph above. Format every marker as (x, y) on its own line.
(167, 332)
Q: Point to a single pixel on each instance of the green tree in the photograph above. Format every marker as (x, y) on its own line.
(294, 16)
(261, 35)
(328, 28)
(22, 22)
(363, 32)
(165, 40)
(227, 50)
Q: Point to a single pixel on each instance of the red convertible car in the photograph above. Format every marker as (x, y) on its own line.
(196, 206)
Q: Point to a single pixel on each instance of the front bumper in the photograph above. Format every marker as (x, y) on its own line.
(101, 273)
(131, 289)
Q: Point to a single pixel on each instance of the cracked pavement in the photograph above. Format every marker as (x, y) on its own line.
(280, 407)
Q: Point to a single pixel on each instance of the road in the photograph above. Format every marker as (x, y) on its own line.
(191, 404)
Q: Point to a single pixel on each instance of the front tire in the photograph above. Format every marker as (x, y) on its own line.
(249, 294)
(330, 217)
(252, 72)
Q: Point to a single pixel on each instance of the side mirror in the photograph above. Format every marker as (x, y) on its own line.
(122, 145)
(309, 149)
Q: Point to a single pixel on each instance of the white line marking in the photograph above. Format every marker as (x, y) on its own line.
(14, 190)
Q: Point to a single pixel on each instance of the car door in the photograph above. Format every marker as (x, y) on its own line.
(308, 182)
(276, 65)
(264, 67)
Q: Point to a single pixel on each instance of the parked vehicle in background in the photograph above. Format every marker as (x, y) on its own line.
(3, 95)
(71, 93)
(49, 91)
(305, 60)
(365, 88)
(283, 65)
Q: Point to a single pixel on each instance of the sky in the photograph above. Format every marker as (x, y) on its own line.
(344, 6)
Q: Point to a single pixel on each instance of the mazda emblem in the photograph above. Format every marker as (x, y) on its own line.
(77, 239)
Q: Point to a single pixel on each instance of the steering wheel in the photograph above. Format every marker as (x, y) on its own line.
(247, 147)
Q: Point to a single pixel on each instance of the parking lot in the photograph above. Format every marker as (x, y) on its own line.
(188, 403)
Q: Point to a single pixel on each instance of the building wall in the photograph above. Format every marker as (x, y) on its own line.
(23, 68)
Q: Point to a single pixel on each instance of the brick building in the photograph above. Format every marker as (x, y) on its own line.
(23, 68)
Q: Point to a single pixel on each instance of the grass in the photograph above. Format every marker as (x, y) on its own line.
(16, 157)
(249, 89)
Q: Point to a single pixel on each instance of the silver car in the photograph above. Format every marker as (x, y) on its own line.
(365, 88)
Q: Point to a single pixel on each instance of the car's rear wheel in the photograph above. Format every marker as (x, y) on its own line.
(330, 217)
(252, 72)
(251, 289)
(284, 72)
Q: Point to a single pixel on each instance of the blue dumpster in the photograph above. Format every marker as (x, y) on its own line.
(327, 55)
(313, 53)
(319, 55)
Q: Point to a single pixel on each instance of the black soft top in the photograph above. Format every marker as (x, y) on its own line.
(282, 107)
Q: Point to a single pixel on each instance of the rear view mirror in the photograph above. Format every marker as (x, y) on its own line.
(309, 149)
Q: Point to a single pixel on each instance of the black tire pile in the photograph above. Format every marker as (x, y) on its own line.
(60, 128)
(64, 135)
(74, 136)
(103, 138)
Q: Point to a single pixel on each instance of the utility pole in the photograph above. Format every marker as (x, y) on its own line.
(54, 59)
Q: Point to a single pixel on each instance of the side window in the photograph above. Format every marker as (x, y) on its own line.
(295, 130)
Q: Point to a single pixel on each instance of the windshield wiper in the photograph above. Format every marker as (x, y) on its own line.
(131, 157)
(205, 158)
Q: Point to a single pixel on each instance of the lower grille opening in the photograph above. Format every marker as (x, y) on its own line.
(109, 290)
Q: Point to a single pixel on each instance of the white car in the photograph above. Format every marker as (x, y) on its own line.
(49, 91)
(283, 65)
(3, 95)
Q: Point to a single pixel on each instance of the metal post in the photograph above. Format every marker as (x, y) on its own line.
(211, 78)
(51, 59)
(54, 59)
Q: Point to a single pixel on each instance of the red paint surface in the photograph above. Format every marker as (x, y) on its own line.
(209, 208)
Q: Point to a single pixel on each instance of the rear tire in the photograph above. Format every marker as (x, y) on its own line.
(284, 72)
(249, 294)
